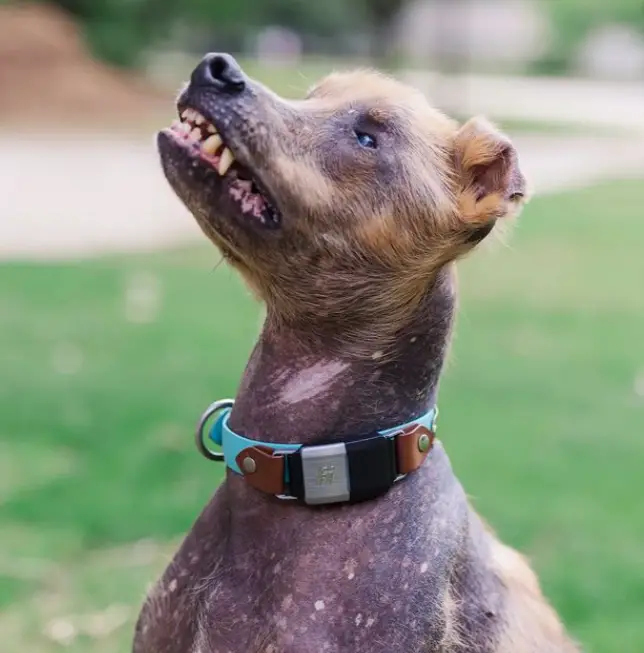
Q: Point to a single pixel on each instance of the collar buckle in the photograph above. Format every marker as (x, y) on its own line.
(325, 473)
(349, 471)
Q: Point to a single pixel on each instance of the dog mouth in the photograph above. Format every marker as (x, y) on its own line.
(204, 142)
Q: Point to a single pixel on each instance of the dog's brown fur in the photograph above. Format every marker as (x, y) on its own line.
(358, 283)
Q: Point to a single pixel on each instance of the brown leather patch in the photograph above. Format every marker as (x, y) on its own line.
(269, 469)
(408, 447)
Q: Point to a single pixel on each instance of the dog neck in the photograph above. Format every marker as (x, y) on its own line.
(246, 541)
(293, 392)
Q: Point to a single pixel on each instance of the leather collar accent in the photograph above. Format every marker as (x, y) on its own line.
(356, 469)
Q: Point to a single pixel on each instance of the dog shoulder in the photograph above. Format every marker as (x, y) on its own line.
(530, 624)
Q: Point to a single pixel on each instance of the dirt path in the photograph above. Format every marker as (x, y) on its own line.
(542, 99)
(76, 197)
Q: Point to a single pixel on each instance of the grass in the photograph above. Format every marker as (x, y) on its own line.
(105, 365)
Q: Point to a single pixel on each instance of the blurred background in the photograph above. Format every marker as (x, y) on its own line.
(110, 345)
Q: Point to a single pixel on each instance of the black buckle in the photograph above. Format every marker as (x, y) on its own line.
(360, 469)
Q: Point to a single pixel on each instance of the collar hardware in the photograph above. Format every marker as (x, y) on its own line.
(320, 474)
(357, 469)
(213, 409)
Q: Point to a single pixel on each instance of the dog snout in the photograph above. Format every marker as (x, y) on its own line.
(221, 72)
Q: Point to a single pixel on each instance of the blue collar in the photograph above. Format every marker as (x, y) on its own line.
(233, 443)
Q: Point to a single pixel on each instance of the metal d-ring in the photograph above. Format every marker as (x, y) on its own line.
(215, 407)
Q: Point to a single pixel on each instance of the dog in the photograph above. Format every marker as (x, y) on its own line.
(345, 213)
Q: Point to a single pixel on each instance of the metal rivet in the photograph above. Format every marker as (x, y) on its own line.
(249, 465)
(423, 443)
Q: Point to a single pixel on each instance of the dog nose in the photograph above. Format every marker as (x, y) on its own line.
(220, 71)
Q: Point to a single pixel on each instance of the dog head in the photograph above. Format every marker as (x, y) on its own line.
(338, 209)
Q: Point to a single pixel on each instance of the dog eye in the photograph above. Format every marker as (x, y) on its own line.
(366, 140)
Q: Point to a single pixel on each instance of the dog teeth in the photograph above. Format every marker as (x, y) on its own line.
(197, 129)
(182, 128)
(212, 144)
(225, 162)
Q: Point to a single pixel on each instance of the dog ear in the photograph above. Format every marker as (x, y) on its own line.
(490, 182)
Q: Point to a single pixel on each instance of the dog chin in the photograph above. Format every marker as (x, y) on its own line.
(203, 178)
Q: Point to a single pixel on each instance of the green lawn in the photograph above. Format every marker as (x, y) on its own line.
(105, 366)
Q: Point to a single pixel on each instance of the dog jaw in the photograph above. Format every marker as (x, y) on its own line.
(362, 231)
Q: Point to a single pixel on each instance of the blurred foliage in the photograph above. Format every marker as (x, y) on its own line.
(382, 14)
(120, 30)
(573, 20)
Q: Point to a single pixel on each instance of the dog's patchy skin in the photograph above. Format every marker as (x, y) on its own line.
(360, 296)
